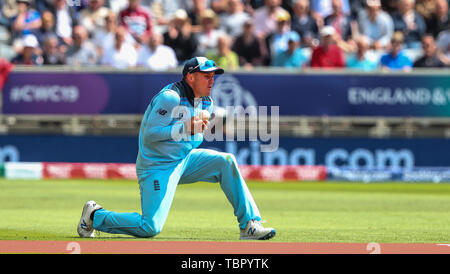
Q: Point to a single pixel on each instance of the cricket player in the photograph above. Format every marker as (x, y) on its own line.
(171, 130)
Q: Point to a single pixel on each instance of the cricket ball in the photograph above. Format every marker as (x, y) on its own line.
(204, 115)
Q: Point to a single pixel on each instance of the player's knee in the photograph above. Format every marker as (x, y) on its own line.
(147, 230)
(144, 233)
(227, 159)
(156, 230)
(148, 233)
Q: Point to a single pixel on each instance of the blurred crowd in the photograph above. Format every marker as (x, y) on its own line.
(163, 34)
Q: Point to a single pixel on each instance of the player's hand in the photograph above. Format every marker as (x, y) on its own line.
(199, 123)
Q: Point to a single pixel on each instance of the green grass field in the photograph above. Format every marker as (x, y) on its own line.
(301, 212)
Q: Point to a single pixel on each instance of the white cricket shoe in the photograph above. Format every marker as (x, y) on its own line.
(85, 229)
(255, 231)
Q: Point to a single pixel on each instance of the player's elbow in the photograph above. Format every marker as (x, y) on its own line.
(156, 134)
(153, 134)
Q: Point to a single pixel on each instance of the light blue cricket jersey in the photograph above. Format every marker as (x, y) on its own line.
(162, 137)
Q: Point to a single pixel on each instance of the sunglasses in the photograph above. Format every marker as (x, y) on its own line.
(203, 66)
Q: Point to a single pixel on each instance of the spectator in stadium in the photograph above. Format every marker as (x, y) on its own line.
(5, 69)
(52, 53)
(430, 58)
(79, 5)
(339, 20)
(209, 34)
(163, 11)
(121, 54)
(157, 56)
(47, 28)
(93, 16)
(356, 6)
(137, 21)
(117, 6)
(362, 59)
(342, 23)
(232, 20)
(293, 57)
(4, 22)
(249, 48)
(28, 54)
(42, 5)
(443, 44)
(439, 20)
(426, 8)
(265, 18)
(277, 41)
(304, 24)
(65, 20)
(8, 10)
(26, 20)
(251, 5)
(389, 6)
(104, 37)
(376, 24)
(224, 56)
(410, 22)
(287, 5)
(180, 38)
(322, 8)
(327, 54)
(219, 6)
(195, 13)
(395, 59)
(82, 52)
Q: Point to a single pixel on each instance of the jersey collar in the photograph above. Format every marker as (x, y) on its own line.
(189, 92)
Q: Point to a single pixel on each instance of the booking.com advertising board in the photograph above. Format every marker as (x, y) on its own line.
(345, 159)
(421, 95)
(352, 153)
